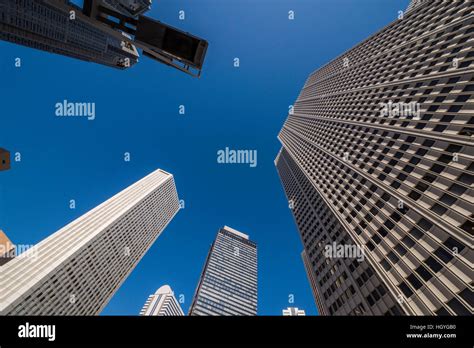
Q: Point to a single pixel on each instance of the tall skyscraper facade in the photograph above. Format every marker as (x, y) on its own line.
(228, 283)
(47, 25)
(312, 283)
(377, 163)
(162, 303)
(77, 270)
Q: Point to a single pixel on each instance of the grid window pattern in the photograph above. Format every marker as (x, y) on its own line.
(77, 270)
(400, 186)
(228, 284)
(162, 303)
(36, 24)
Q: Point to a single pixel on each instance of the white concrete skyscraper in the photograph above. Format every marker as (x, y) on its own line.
(162, 303)
(77, 270)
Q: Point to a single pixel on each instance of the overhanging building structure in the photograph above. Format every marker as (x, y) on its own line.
(107, 32)
(46, 25)
(363, 172)
(228, 284)
(77, 270)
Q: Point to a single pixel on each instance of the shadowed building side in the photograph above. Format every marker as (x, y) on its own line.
(44, 26)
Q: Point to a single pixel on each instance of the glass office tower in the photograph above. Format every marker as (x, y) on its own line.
(228, 284)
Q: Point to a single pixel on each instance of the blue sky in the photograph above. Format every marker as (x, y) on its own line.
(137, 112)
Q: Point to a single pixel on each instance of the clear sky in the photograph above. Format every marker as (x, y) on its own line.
(137, 112)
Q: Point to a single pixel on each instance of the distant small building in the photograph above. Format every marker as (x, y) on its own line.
(4, 159)
(294, 312)
(162, 303)
(7, 249)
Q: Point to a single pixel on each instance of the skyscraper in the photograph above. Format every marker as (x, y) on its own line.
(7, 249)
(377, 162)
(77, 270)
(47, 25)
(293, 312)
(4, 159)
(162, 303)
(107, 32)
(228, 283)
(312, 283)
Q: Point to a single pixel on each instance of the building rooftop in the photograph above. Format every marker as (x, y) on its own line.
(234, 231)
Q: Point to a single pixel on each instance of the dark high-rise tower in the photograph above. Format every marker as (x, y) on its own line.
(377, 163)
(107, 32)
(228, 284)
(47, 25)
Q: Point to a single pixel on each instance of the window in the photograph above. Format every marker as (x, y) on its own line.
(376, 239)
(421, 186)
(421, 152)
(447, 199)
(429, 177)
(423, 272)
(453, 244)
(394, 258)
(457, 189)
(416, 233)
(466, 178)
(443, 255)
(414, 195)
(439, 209)
(425, 224)
(405, 289)
(468, 226)
(442, 312)
(433, 264)
(468, 296)
(400, 249)
(457, 307)
(414, 281)
(408, 241)
(445, 158)
(386, 265)
(437, 168)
